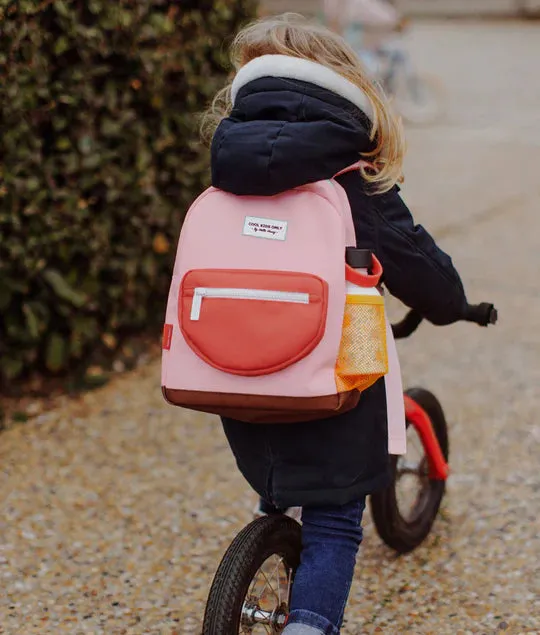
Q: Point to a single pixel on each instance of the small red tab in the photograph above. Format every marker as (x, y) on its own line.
(167, 337)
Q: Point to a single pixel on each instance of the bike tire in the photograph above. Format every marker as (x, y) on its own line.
(262, 538)
(399, 533)
(414, 111)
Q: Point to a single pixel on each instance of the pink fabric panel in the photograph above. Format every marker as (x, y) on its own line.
(395, 407)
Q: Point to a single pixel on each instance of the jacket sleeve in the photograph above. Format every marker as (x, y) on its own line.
(416, 271)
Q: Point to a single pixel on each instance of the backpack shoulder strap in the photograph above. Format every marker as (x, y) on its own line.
(343, 204)
(352, 168)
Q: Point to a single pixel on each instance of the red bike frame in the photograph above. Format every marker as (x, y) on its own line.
(418, 417)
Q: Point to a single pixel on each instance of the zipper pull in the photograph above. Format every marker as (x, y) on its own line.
(198, 295)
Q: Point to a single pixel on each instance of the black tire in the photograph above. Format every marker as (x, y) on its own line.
(257, 542)
(419, 99)
(405, 534)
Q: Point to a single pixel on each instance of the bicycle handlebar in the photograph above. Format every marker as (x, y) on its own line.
(482, 314)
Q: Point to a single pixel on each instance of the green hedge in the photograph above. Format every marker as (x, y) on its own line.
(98, 160)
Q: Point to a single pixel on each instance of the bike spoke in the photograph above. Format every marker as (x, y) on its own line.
(278, 580)
(269, 585)
(412, 481)
(266, 605)
(289, 584)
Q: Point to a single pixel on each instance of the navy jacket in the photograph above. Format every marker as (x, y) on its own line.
(282, 134)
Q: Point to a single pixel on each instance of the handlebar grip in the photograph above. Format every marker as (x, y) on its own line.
(482, 314)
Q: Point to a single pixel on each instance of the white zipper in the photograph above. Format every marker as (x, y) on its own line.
(243, 294)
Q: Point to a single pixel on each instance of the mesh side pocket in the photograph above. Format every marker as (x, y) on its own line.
(363, 357)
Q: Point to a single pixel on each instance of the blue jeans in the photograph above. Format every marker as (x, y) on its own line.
(330, 539)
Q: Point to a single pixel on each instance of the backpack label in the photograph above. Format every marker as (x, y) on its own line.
(167, 337)
(265, 228)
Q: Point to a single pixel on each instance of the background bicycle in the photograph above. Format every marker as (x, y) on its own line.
(417, 96)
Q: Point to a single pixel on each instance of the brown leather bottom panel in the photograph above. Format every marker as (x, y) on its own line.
(263, 408)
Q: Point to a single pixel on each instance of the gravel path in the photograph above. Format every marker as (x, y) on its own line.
(115, 508)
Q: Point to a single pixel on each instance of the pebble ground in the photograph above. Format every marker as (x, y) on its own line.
(115, 508)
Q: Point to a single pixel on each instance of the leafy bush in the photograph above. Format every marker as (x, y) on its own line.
(99, 158)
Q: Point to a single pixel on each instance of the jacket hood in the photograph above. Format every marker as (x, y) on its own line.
(293, 122)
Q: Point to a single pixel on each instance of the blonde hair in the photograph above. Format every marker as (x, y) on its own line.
(293, 35)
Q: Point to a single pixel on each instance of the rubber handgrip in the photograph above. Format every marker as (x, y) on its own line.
(482, 314)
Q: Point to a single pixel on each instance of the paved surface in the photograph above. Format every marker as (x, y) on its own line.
(116, 508)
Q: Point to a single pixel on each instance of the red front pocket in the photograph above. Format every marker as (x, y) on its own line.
(252, 322)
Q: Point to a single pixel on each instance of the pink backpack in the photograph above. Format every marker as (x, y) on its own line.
(257, 309)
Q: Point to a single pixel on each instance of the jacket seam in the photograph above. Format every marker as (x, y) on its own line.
(284, 123)
(271, 155)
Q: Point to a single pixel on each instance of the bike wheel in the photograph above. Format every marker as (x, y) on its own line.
(419, 99)
(404, 512)
(250, 592)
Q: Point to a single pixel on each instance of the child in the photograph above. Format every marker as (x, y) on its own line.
(375, 15)
(301, 109)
